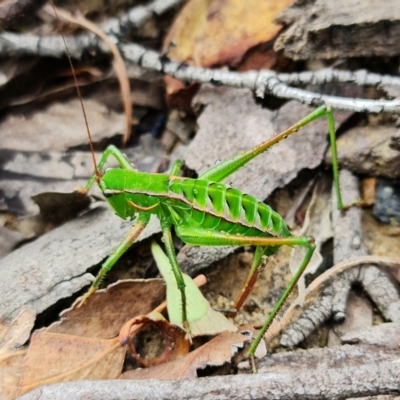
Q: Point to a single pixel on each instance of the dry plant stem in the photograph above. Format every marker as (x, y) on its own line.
(325, 299)
(14, 44)
(347, 225)
(348, 240)
(329, 75)
(118, 62)
(261, 82)
(323, 288)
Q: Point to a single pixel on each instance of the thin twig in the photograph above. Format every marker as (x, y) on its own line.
(261, 82)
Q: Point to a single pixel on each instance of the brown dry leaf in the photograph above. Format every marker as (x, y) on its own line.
(368, 191)
(211, 33)
(11, 352)
(54, 357)
(46, 81)
(103, 315)
(55, 209)
(214, 353)
(85, 343)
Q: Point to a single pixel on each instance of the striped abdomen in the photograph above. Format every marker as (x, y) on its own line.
(215, 206)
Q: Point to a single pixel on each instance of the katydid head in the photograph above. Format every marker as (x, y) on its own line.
(111, 185)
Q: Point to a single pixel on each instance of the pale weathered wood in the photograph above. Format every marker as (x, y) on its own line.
(334, 373)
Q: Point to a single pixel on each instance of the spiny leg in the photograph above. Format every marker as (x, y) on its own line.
(224, 169)
(200, 237)
(116, 254)
(279, 304)
(257, 267)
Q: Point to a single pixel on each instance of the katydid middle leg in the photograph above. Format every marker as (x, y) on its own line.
(176, 269)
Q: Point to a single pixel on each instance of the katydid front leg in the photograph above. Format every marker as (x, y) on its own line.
(130, 238)
(133, 233)
(108, 152)
(143, 219)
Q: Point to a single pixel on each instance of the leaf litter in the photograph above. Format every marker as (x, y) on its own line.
(12, 352)
(87, 343)
(81, 345)
(243, 128)
(107, 348)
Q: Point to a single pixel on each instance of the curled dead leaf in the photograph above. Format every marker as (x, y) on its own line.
(216, 352)
(175, 343)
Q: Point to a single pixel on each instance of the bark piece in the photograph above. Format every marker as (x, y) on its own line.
(54, 266)
(336, 373)
(340, 29)
(367, 150)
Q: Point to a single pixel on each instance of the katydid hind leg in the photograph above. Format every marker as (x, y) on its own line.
(280, 303)
(256, 268)
(226, 168)
(200, 237)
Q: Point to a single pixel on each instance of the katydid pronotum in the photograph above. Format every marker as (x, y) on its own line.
(203, 212)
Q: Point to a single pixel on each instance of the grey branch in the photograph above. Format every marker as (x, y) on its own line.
(261, 82)
(305, 385)
(12, 44)
(329, 75)
(265, 81)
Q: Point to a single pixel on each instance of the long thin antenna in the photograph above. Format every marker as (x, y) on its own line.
(97, 172)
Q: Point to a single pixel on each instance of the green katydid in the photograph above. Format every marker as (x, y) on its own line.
(204, 212)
